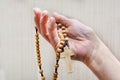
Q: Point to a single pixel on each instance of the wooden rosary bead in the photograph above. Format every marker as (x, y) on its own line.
(59, 50)
(60, 34)
(57, 57)
(57, 65)
(39, 61)
(37, 35)
(37, 45)
(37, 42)
(54, 79)
(41, 71)
(43, 78)
(55, 74)
(62, 37)
(38, 55)
(59, 24)
(37, 51)
(39, 58)
(57, 53)
(64, 34)
(58, 31)
(63, 27)
(66, 39)
(63, 31)
(37, 38)
(62, 42)
(60, 46)
(39, 64)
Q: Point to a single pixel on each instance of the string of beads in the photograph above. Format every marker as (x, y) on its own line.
(63, 42)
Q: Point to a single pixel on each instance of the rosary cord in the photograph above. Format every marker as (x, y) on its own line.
(38, 55)
(62, 35)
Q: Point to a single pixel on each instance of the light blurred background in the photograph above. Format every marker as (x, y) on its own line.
(17, 48)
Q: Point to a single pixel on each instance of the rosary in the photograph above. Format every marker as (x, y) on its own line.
(61, 51)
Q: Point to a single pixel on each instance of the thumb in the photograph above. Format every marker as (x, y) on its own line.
(61, 19)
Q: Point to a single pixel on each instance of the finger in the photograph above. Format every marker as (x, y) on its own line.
(54, 39)
(61, 19)
(43, 25)
(37, 17)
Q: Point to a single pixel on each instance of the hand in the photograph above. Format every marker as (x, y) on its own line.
(82, 41)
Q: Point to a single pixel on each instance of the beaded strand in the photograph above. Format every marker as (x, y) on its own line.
(38, 55)
(59, 49)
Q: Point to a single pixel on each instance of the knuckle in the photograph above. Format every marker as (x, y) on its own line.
(46, 34)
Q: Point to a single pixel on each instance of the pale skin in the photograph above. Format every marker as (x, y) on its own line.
(86, 45)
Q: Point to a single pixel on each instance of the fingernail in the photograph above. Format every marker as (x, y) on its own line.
(36, 10)
(55, 13)
(51, 18)
(45, 12)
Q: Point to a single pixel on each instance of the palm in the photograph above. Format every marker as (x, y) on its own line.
(80, 39)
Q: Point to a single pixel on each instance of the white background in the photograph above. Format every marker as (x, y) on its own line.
(17, 48)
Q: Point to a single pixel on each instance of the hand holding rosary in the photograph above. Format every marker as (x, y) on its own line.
(61, 51)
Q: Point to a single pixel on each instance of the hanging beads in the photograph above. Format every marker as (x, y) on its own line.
(38, 55)
(63, 41)
(62, 34)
